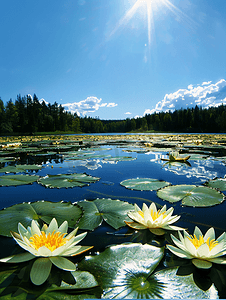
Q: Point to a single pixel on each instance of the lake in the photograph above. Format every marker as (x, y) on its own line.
(112, 159)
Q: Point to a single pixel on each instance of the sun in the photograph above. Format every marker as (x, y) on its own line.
(149, 6)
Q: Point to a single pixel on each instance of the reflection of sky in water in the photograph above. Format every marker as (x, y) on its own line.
(92, 164)
(203, 169)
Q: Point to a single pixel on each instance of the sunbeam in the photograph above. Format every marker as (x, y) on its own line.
(149, 7)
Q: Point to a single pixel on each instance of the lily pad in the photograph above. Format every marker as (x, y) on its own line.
(13, 180)
(120, 158)
(217, 183)
(191, 195)
(114, 212)
(123, 270)
(67, 180)
(144, 184)
(26, 212)
(20, 168)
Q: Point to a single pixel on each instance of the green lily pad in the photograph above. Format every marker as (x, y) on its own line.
(6, 159)
(67, 180)
(13, 180)
(217, 183)
(144, 184)
(20, 168)
(123, 270)
(120, 158)
(44, 210)
(114, 212)
(191, 195)
(60, 210)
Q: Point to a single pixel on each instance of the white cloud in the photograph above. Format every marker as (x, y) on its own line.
(205, 95)
(128, 113)
(90, 104)
(43, 100)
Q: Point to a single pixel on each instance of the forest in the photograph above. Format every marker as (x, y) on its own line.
(28, 115)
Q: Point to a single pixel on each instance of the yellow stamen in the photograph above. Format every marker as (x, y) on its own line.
(51, 241)
(155, 215)
(198, 242)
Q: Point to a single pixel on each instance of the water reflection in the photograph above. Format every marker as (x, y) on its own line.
(203, 169)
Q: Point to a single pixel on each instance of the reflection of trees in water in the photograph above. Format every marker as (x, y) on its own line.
(202, 169)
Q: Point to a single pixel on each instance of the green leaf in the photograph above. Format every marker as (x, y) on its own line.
(67, 180)
(11, 216)
(191, 195)
(20, 168)
(26, 212)
(14, 180)
(124, 267)
(217, 183)
(144, 184)
(40, 270)
(114, 212)
(120, 158)
(60, 210)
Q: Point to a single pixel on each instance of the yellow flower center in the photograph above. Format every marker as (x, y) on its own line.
(155, 215)
(198, 242)
(51, 241)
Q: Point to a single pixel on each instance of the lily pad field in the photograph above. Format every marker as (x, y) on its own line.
(121, 216)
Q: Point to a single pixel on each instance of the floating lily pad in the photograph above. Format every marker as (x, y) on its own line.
(191, 195)
(67, 180)
(144, 184)
(114, 212)
(217, 183)
(20, 168)
(13, 180)
(44, 210)
(120, 158)
(6, 159)
(123, 270)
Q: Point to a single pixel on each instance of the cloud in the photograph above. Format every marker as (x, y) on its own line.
(205, 95)
(43, 100)
(90, 104)
(128, 113)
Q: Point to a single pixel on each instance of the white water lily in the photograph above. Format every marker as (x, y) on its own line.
(50, 244)
(202, 250)
(155, 220)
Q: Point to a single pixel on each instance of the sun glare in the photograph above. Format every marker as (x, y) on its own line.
(149, 6)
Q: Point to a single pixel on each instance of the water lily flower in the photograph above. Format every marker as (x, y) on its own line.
(50, 245)
(155, 220)
(202, 250)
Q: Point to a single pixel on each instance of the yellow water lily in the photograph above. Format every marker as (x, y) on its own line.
(202, 250)
(155, 220)
(49, 244)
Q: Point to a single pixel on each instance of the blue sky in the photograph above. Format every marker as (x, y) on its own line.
(113, 58)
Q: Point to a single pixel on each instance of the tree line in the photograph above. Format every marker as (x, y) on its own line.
(27, 115)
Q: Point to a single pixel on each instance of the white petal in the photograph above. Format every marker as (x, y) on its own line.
(43, 251)
(218, 260)
(179, 252)
(203, 251)
(79, 237)
(22, 230)
(177, 242)
(35, 228)
(71, 234)
(152, 207)
(163, 209)
(63, 227)
(210, 234)
(197, 232)
(171, 227)
(136, 207)
(217, 250)
(190, 247)
(222, 237)
(52, 226)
